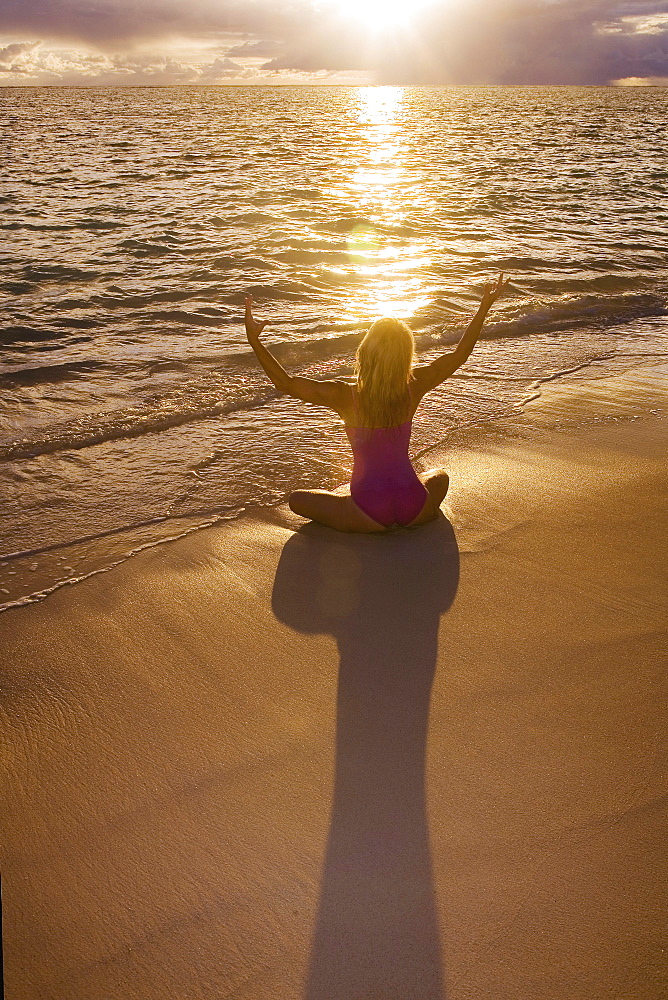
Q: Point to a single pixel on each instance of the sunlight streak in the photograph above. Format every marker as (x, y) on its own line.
(386, 266)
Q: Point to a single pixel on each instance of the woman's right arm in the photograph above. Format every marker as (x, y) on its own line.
(332, 393)
(427, 377)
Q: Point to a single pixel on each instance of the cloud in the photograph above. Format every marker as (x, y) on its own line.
(221, 69)
(18, 50)
(15, 57)
(257, 49)
(75, 67)
(212, 41)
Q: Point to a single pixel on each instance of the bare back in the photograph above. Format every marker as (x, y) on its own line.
(348, 404)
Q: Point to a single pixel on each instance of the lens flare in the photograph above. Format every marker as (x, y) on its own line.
(362, 242)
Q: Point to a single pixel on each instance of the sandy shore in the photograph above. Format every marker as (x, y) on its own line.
(260, 763)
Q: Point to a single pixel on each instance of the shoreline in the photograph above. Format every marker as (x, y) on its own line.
(627, 391)
(262, 761)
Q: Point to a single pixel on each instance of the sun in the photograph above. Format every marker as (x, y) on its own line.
(376, 15)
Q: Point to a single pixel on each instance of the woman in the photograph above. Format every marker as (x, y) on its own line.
(378, 413)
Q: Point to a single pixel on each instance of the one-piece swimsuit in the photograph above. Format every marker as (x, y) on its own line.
(384, 483)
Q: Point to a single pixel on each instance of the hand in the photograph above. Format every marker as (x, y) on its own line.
(491, 292)
(253, 327)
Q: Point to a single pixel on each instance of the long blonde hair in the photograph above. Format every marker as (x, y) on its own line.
(383, 366)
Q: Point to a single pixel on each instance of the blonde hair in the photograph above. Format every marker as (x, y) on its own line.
(383, 366)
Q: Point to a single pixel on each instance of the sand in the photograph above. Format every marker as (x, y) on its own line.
(263, 762)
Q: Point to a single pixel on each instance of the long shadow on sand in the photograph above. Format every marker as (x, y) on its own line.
(376, 933)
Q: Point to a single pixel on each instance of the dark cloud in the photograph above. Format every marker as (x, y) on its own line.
(328, 44)
(478, 41)
(260, 50)
(113, 22)
(500, 42)
(220, 69)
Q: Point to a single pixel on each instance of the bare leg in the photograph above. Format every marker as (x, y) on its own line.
(436, 482)
(338, 510)
(335, 510)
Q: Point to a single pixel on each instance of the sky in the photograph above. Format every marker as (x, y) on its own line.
(354, 42)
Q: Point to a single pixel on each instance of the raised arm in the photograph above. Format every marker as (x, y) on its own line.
(427, 377)
(331, 392)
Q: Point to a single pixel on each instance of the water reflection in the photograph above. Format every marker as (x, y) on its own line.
(376, 932)
(378, 107)
(387, 268)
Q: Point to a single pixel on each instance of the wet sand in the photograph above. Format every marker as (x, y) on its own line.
(265, 762)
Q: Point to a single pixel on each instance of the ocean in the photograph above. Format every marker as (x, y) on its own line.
(134, 221)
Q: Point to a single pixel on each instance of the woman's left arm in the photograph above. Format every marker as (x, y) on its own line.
(329, 393)
(427, 377)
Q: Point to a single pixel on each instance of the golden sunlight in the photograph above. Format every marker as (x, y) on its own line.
(379, 106)
(375, 15)
(381, 168)
(389, 268)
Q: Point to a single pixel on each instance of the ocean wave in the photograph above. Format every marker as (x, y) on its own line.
(224, 262)
(78, 322)
(307, 194)
(18, 287)
(95, 225)
(31, 334)
(39, 273)
(187, 318)
(578, 312)
(235, 219)
(42, 374)
(282, 291)
(166, 365)
(98, 428)
(571, 314)
(145, 248)
(346, 224)
(121, 299)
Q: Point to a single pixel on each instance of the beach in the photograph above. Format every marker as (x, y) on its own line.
(271, 760)
(132, 408)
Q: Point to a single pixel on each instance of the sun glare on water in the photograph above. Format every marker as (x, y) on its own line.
(387, 266)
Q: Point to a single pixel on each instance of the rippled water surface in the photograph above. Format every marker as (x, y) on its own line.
(135, 220)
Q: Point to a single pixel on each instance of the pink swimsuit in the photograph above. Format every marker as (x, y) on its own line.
(384, 484)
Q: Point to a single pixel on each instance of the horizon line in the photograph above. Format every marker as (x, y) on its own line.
(343, 86)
